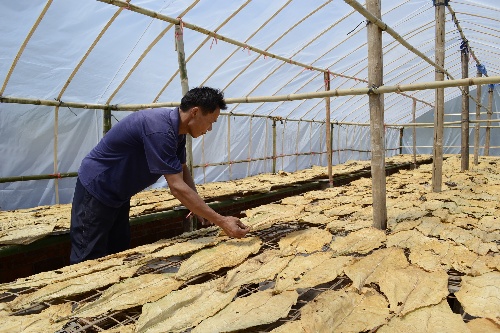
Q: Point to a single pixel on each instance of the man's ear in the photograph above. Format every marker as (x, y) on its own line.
(194, 111)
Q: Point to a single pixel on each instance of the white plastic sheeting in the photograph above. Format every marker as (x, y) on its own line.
(452, 132)
(73, 53)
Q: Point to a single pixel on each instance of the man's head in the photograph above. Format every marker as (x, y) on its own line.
(206, 98)
(200, 108)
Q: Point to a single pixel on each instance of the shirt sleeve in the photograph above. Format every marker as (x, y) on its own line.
(161, 151)
(181, 150)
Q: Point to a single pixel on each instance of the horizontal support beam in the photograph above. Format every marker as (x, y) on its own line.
(277, 98)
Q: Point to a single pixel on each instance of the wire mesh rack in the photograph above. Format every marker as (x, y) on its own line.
(269, 237)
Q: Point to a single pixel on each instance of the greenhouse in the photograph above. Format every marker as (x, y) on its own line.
(351, 171)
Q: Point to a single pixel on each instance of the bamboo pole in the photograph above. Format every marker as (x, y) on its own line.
(37, 177)
(179, 46)
(439, 66)
(310, 143)
(56, 166)
(297, 146)
(401, 132)
(203, 159)
(229, 146)
(213, 34)
(189, 222)
(488, 128)
(462, 35)
(250, 146)
(217, 36)
(338, 144)
(328, 131)
(377, 132)
(414, 113)
(258, 99)
(478, 116)
(106, 121)
(274, 146)
(464, 151)
(331, 141)
(283, 145)
(437, 154)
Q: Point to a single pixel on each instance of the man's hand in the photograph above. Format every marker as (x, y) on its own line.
(233, 227)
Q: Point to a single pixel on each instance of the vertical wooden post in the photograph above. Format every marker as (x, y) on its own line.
(56, 139)
(488, 129)
(297, 146)
(310, 145)
(283, 144)
(249, 170)
(181, 59)
(274, 145)
(401, 132)
(229, 146)
(189, 223)
(478, 116)
(464, 152)
(331, 140)
(376, 103)
(106, 121)
(414, 114)
(437, 158)
(328, 131)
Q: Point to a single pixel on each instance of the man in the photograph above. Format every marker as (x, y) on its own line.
(133, 155)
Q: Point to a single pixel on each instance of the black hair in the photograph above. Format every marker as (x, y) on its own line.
(206, 98)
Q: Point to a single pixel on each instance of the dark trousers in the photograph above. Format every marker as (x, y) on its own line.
(96, 229)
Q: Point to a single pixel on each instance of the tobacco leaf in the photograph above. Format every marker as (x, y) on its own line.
(75, 286)
(304, 241)
(483, 325)
(429, 319)
(129, 293)
(45, 321)
(345, 311)
(226, 254)
(361, 241)
(480, 295)
(183, 308)
(370, 268)
(188, 246)
(254, 270)
(310, 271)
(411, 288)
(260, 308)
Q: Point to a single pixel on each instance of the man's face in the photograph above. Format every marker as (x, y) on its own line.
(200, 123)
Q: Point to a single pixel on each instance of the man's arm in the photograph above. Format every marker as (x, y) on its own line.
(180, 189)
(188, 179)
(186, 175)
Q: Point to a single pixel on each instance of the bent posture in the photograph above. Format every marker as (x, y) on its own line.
(133, 155)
